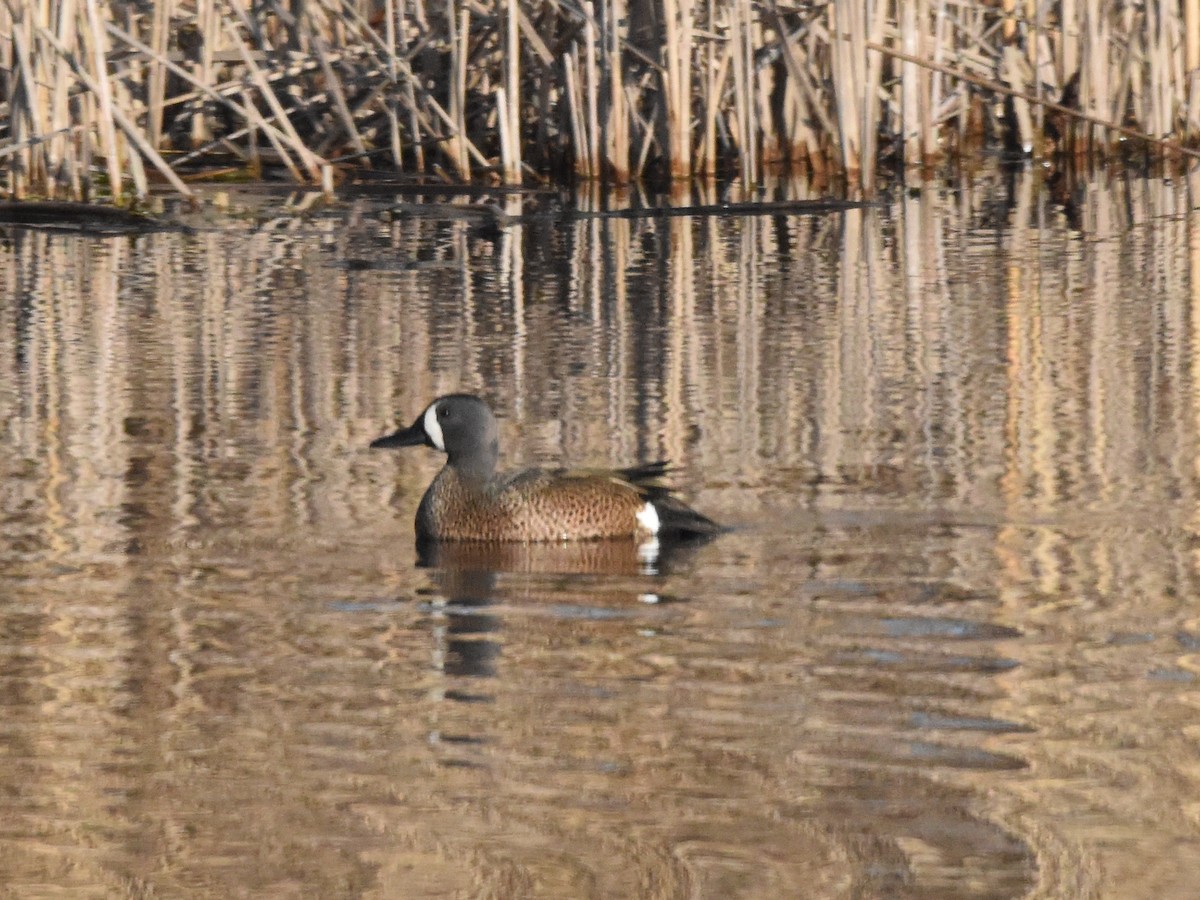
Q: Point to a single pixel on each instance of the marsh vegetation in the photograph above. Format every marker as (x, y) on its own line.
(106, 98)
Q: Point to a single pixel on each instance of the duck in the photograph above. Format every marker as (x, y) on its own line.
(468, 500)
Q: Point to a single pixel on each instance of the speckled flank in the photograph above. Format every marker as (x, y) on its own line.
(533, 506)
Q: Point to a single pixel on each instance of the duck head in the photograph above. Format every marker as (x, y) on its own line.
(461, 426)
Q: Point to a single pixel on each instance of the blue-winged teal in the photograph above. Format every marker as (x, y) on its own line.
(469, 501)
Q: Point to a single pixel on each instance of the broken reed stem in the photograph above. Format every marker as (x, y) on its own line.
(593, 90)
(997, 87)
(678, 22)
(118, 118)
(309, 159)
(706, 154)
(617, 145)
(257, 124)
(95, 36)
(506, 138)
(156, 81)
(743, 77)
(910, 88)
(512, 73)
(334, 86)
(61, 168)
(23, 103)
(400, 48)
(583, 164)
(254, 119)
(458, 95)
(705, 86)
(391, 37)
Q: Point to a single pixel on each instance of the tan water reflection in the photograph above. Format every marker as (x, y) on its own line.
(950, 649)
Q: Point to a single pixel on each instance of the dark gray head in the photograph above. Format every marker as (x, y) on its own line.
(460, 425)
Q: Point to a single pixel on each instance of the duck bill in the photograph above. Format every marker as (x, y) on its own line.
(412, 436)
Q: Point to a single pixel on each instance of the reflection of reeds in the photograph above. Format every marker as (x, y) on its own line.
(186, 497)
(862, 341)
(788, 365)
(618, 91)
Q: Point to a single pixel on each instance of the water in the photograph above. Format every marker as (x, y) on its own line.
(950, 648)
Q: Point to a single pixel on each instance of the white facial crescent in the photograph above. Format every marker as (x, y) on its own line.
(433, 429)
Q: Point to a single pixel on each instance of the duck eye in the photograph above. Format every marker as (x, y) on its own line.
(443, 412)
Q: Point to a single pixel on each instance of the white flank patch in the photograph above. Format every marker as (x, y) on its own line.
(648, 518)
(434, 430)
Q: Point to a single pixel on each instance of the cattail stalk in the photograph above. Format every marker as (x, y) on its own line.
(593, 90)
(512, 74)
(678, 21)
(583, 166)
(458, 92)
(743, 74)
(617, 131)
(156, 81)
(96, 36)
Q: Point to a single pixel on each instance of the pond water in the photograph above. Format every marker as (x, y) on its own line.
(950, 647)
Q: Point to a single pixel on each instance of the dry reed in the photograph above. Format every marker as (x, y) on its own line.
(100, 96)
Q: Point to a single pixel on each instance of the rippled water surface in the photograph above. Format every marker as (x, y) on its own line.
(949, 649)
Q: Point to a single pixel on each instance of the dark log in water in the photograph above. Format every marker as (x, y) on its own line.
(61, 215)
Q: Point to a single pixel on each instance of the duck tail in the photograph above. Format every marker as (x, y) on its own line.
(676, 518)
(647, 474)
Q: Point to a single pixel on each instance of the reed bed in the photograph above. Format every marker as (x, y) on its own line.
(105, 99)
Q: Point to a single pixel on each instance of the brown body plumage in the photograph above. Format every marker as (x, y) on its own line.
(534, 505)
(468, 501)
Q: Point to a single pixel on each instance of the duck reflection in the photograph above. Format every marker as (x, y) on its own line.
(465, 575)
(465, 644)
(616, 558)
(590, 578)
